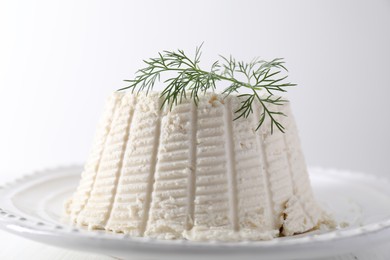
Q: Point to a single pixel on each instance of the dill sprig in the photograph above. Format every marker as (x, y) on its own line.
(257, 76)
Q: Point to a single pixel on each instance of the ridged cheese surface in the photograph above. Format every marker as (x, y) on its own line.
(194, 173)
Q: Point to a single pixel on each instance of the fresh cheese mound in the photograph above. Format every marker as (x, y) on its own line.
(194, 173)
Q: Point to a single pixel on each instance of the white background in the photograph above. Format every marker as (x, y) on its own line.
(60, 59)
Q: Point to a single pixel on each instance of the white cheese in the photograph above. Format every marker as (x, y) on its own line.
(194, 173)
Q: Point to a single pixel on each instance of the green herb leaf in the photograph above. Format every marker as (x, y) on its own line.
(257, 75)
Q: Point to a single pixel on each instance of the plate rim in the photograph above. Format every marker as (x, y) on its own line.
(29, 228)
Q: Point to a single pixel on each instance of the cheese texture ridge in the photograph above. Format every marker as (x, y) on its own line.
(194, 173)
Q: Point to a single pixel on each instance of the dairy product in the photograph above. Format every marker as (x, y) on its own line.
(194, 173)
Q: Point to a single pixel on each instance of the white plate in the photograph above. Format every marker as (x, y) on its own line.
(32, 207)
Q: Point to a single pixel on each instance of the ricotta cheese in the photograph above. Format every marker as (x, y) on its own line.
(194, 173)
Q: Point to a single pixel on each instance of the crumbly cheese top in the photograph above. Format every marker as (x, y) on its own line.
(194, 173)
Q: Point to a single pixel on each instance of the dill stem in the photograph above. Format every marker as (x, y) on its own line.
(265, 75)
